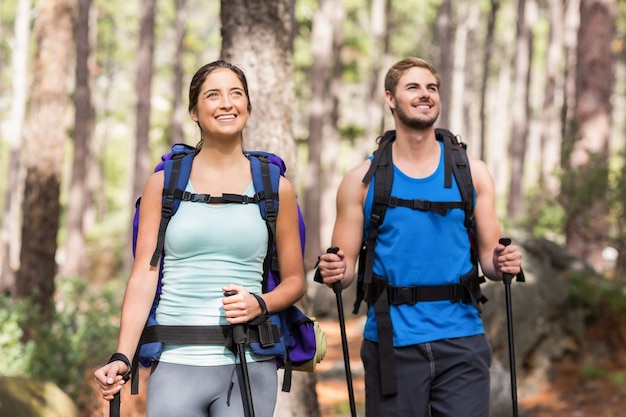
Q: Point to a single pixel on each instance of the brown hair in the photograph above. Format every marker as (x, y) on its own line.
(400, 67)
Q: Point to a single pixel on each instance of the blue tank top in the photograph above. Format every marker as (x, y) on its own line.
(422, 248)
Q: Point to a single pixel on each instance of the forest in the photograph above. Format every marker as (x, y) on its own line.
(93, 92)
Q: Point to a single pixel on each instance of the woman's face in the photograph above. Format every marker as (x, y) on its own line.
(222, 104)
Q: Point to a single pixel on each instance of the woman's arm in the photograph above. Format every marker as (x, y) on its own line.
(140, 289)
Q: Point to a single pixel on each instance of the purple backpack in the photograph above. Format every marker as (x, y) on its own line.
(298, 341)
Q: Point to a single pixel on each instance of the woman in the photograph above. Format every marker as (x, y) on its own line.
(209, 250)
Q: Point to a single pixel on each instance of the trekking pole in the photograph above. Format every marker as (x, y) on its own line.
(344, 339)
(114, 406)
(239, 337)
(506, 279)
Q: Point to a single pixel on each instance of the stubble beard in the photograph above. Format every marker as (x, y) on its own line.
(416, 123)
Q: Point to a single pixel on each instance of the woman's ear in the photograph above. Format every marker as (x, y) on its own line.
(194, 115)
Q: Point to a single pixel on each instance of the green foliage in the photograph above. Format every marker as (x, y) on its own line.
(618, 379)
(79, 337)
(596, 292)
(15, 355)
(544, 216)
(592, 371)
(584, 188)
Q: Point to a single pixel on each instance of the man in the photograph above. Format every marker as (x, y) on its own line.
(417, 291)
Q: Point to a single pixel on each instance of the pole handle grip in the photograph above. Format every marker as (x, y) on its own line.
(506, 277)
(318, 276)
(337, 284)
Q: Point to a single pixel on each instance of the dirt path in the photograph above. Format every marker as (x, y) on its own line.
(572, 393)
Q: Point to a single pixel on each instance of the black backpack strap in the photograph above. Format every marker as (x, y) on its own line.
(386, 359)
(382, 186)
(456, 160)
(459, 162)
(168, 207)
(266, 180)
(223, 199)
(382, 165)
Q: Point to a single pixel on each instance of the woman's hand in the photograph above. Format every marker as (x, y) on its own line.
(240, 306)
(110, 378)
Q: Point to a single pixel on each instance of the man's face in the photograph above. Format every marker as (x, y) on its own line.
(415, 102)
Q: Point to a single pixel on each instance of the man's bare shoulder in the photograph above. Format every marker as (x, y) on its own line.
(481, 177)
(358, 172)
(352, 182)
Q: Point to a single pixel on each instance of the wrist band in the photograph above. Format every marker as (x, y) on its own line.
(264, 310)
(117, 356)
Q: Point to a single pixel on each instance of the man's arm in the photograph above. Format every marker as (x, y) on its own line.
(348, 230)
(494, 258)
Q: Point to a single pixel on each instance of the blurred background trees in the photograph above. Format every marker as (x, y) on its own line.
(94, 91)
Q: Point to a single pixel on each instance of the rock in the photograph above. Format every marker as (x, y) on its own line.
(22, 397)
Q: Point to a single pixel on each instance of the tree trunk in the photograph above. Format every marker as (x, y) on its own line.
(587, 153)
(43, 156)
(179, 112)
(75, 263)
(380, 18)
(467, 17)
(332, 140)
(488, 52)
(145, 57)
(572, 22)
(321, 44)
(551, 126)
(256, 37)
(520, 109)
(141, 156)
(10, 241)
(446, 28)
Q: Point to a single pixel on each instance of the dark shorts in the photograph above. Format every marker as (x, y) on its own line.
(203, 391)
(446, 378)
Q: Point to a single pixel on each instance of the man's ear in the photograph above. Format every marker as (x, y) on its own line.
(391, 102)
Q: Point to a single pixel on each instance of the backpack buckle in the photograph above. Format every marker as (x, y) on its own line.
(455, 294)
(393, 201)
(423, 205)
(167, 207)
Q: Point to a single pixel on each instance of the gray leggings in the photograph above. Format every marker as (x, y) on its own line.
(202, 391)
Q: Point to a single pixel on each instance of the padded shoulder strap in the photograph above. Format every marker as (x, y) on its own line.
(456, 160)
(176, 175)
(382, 166)
(266, 180)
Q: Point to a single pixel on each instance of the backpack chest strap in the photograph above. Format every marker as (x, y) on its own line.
(223, 199)
(438, 207)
